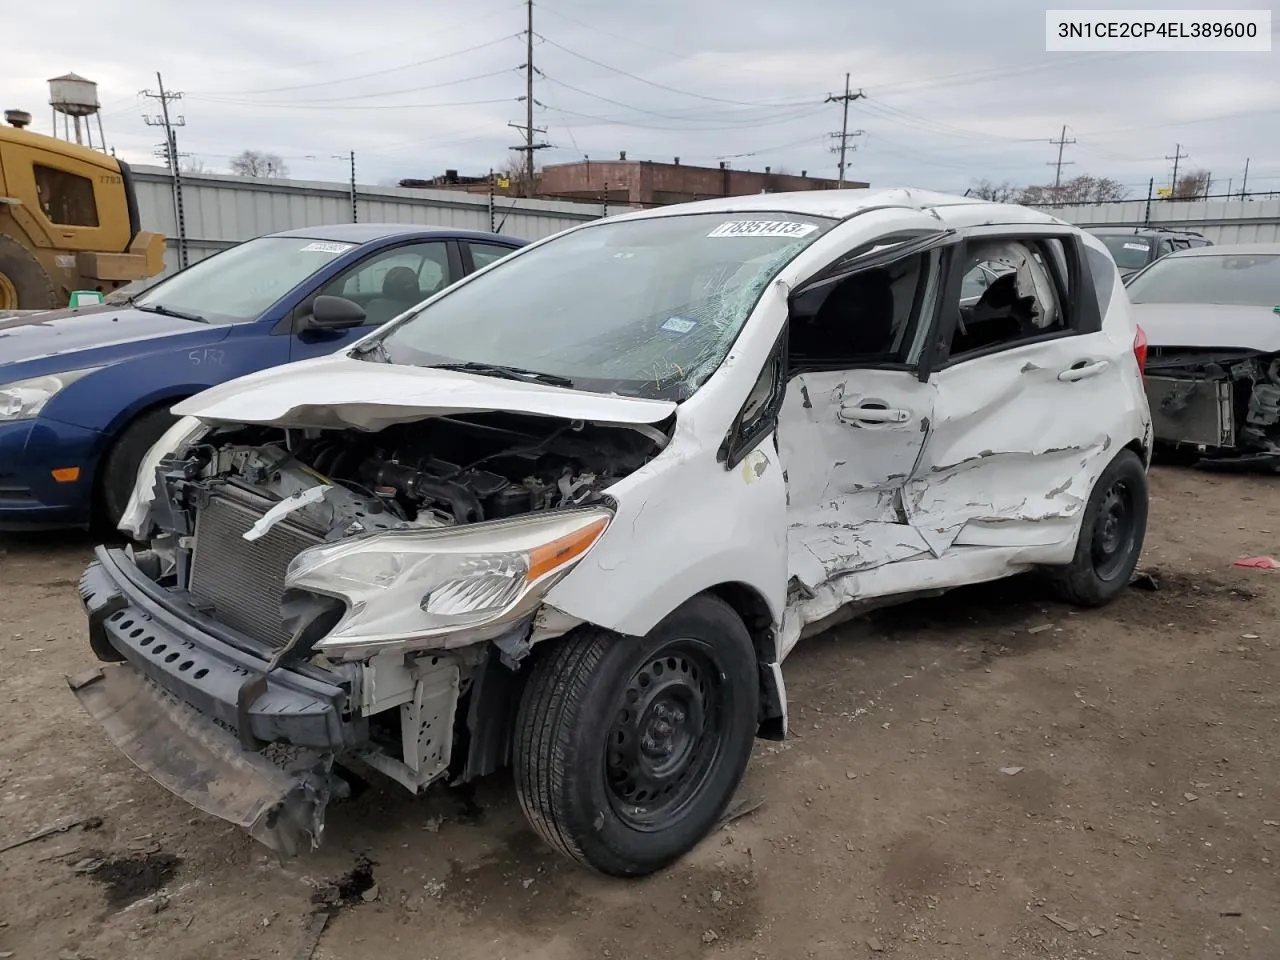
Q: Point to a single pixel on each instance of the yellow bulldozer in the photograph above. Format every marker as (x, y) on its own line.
(68, 221)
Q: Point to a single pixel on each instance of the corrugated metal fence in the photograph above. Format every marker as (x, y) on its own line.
(1222, 221)
(220, 211)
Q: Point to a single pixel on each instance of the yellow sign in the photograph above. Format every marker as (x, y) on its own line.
(504, 183)
(1164, 191)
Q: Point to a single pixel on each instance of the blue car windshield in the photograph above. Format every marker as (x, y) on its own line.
(238, 285)
(645, 307)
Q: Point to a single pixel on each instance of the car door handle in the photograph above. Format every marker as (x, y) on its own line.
(1083, 369)
(856, 415)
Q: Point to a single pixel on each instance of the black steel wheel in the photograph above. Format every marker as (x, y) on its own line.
(1111, 535)
(627, 749)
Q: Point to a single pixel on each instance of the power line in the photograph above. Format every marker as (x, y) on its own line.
(358, 96)
(361, 76)
(844, 100)
(653, 83)
(1061, 142)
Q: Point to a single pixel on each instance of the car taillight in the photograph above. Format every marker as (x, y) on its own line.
(1140, 349)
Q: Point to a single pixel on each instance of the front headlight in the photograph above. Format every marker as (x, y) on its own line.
(408, 584)
(24, 399)
(135, 520)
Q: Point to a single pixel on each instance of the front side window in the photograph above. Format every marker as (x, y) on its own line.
(1022, 303)
(389, 283)
(646, 307)
(1251, 280)
(65, 198)
(239, 284)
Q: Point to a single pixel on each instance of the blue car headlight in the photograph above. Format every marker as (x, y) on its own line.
(24, 399)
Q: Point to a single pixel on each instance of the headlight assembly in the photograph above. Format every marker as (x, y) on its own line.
(409, 584)
(24, 399)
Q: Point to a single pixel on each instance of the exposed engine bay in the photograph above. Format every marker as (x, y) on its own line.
(236, 507)
(1223, 404)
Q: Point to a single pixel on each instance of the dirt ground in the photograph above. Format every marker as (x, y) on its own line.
(987, 775)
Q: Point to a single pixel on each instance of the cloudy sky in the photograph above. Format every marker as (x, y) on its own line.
(954, 91)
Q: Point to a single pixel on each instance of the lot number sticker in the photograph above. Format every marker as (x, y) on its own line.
(321, 246)
(1137, 246)
(763, 228)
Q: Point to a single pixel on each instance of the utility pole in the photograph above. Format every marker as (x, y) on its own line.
(844, 99)
(1244, 184)
(1177, 156)
(351, 158)
(1061, 142)
(171, 153)
(529, 129)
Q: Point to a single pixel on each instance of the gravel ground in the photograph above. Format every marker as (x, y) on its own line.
(990, 774)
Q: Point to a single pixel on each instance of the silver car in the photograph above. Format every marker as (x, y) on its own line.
(1213, 367)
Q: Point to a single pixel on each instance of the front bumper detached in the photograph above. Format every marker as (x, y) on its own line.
(280, 801)
(190, 704)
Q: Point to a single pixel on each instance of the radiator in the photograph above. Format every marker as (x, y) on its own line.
(243, 580)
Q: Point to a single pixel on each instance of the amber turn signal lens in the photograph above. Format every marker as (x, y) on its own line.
(549, 556)
(66, 474)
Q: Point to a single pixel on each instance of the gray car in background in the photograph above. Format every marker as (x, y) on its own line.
(1212, 320)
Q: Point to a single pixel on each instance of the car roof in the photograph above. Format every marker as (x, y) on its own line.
(840, 204)
(368, 232)
(1230, 250)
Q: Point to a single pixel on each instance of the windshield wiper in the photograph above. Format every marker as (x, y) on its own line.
(500, 370)
(169, 312)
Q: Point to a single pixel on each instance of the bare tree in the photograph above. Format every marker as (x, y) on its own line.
(1082, 189)
(514, 173)
(193, 165)
(999, 192)
(1191, 185)
(256, 163)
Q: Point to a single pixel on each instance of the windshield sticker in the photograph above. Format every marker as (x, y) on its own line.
(1138, 246)
(322, 246)
(679, 325)
(763, 228)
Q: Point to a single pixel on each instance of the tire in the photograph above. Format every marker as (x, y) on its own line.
(586, 760)
(1111, 535)
(119, 468)
(24, 285)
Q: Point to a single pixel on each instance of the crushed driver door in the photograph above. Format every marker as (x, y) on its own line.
(856, 414)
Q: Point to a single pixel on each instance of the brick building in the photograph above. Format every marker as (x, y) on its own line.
(644, 183)
(639, 183)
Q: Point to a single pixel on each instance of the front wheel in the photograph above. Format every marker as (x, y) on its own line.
(629, 749)
(1111, 535)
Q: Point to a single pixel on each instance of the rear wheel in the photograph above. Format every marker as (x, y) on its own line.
(629, 749)
(1111, 535)
(24, 285)
(118, 471)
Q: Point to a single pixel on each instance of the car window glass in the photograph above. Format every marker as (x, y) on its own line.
(483, 254)
(65, 197)
(389, 283)
(1130, 251)
(1241, 279)
(868, 318)
(1021, 304)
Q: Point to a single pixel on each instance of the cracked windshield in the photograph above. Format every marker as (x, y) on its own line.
(644, 307)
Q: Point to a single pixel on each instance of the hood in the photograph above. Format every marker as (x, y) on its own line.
(56, 333)
(339, 391)
(1209, 325)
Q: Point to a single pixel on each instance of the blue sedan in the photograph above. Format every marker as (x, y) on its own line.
(85, 393)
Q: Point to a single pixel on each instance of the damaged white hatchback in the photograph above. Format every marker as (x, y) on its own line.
(572, 514)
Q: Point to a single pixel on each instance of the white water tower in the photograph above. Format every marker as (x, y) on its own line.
(75, 97)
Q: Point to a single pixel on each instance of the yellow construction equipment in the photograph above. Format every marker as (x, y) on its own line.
(68, 221)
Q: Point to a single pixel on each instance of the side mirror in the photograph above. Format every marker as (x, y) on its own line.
(333, 314)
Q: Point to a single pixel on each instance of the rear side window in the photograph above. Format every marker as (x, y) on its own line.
(66, 198)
